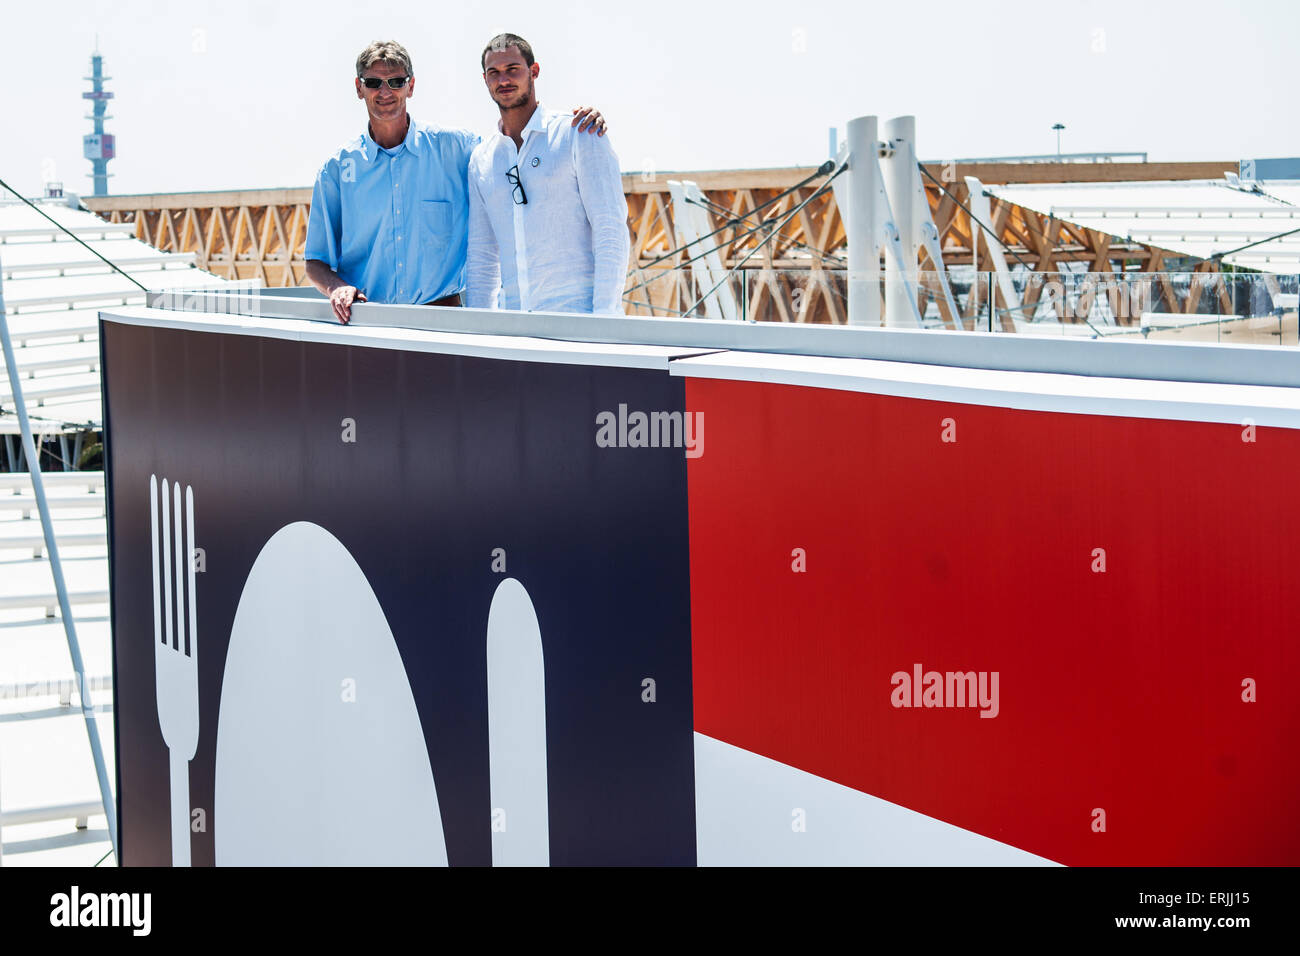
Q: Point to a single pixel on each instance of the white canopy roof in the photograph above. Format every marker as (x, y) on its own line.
(54, 288)
(1198, 218)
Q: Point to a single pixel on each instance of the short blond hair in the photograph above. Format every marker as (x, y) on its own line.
(388, 52)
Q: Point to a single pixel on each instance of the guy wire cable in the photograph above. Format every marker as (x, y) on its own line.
(790, 215)
(740, 218)
(75, 237)
(822, 170)
(1218, 256)
(966, 209)
(763, 224)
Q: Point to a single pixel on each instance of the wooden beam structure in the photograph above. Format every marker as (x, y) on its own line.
(242, 234)
(786, 244)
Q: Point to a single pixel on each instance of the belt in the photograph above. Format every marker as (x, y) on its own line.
(449, 300)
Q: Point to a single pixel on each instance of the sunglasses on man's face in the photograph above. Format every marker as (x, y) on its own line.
(394, 82)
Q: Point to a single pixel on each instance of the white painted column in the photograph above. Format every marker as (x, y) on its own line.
(979, 205)
(899, 169)
(862, 225)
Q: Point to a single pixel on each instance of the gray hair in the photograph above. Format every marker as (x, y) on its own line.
(388, 52)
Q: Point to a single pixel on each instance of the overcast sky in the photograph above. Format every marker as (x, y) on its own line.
(239, 94)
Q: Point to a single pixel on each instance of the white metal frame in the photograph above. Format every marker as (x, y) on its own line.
(77, 811)
(881, 212)
(691, 224)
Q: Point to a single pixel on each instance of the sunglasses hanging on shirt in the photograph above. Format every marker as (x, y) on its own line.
(512, 177)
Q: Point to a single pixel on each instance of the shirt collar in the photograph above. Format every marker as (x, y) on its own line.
(374, 149)
(536, 123)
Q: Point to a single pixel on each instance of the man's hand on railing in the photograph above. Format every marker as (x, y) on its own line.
(342, 298)
(341, 295)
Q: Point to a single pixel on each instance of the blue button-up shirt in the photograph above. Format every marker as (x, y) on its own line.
(395, 222)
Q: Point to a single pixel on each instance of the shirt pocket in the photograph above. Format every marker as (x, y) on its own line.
(435, 217)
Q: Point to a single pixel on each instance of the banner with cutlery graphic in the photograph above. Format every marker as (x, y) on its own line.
(382, 596)
(428, 606)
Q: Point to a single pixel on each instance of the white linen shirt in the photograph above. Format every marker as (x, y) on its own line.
(566, 249)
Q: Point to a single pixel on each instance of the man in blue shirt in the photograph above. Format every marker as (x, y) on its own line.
(390, 210)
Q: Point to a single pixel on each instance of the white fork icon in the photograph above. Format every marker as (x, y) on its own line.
(176, 661)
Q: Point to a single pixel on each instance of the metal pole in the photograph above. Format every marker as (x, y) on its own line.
(993, 301)
(899, 172)
(863, 228)
(56, 568)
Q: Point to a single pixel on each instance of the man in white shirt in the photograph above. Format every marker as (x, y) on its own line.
(547, 220)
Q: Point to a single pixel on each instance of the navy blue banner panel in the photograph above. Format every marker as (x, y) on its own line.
(373, 605)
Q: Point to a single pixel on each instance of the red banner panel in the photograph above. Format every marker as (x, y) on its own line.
(1100, 612)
